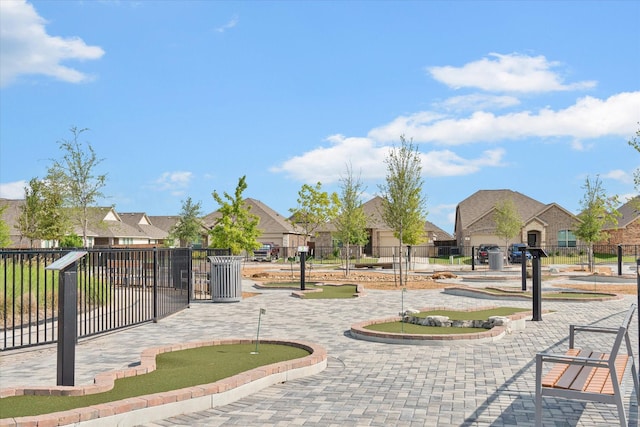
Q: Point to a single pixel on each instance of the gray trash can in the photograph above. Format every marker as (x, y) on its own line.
(226, 279)
(496, 260)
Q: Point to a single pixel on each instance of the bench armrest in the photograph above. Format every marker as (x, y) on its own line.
(573, 360)
(586, 328)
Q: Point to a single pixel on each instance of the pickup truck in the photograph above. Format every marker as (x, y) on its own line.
(266, 253)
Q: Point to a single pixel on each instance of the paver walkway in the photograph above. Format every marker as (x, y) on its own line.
(365, 383)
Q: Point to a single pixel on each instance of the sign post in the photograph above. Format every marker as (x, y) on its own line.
(303, 256)
(536, 265)
(67, 315)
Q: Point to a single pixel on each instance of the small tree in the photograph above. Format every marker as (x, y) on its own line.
(5, 239)
(237, 227)
(75, 172)
(351, 221)
(597, 210)
(315, 209)
(403, 205)
(508, 220)
(43, 215)
(187, 229)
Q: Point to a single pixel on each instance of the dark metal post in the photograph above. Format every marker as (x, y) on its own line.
(537, 283)
(473, 258)
(619, 260)
(638, 293)
(156, 271)
(303, 256)
(523, 267)
(67, 325)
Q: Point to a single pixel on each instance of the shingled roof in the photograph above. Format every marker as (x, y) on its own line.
(270, 220)
(629, 212)
(479, 203)
(142, 222)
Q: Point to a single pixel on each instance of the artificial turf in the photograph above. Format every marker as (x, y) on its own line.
(174, 370)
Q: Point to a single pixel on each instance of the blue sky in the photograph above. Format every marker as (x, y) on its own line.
(184, 97)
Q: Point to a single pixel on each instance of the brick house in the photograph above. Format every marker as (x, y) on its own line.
(543, 224)
(379, 233)
(626, 230)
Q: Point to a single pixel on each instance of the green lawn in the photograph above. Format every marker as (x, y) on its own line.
(174, 370)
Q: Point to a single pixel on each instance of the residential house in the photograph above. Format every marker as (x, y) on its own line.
(380, 235)
(142, 222)
(626, 229)
(543, 224)
(274, 228)
(167, 222)
(10, 217)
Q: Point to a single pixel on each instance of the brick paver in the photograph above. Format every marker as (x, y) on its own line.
(365, 383)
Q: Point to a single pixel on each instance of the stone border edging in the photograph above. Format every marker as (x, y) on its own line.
(147, 408)
(516, 295)
(358, 331)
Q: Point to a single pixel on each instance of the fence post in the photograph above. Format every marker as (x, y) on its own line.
(155, 285)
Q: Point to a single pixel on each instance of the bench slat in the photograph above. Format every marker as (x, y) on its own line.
(557, 370)
(586, 373)
(572, 372)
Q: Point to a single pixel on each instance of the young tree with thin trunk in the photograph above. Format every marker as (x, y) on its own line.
(597, 210)
(635, 143)
(187, 229)
(236, 228)
(351, 221)
(42, 216)
(315, 209)
(508, 221)
(76, 174)
(403, 205)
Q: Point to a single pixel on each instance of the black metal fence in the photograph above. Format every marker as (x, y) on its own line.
(117, 288)
(460, 255)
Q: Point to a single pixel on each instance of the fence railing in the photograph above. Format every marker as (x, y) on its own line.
(117, 288)
(460, 255)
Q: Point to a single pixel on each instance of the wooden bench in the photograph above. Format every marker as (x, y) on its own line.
(584, 374)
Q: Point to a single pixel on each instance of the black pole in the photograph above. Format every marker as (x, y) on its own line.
(67, 325)
(303, 256)
(537, 286)
(523, 267)
(619, 260)
(473, 258)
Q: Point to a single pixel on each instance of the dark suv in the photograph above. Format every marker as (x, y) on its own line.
(515, 253)
(483, 252)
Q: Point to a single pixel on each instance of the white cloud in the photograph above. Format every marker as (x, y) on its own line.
(507, 73)
(619, 175)
(232, 23)
(173, 182)
(26, 48)
(328, 164)
(588, 118)
(13, 190)
(477, 101)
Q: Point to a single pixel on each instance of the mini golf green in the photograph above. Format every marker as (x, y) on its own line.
(399, 327)
(174, 370)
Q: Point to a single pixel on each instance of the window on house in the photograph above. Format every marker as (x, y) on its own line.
(566, 239)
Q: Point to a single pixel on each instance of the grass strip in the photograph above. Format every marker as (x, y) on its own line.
(333, 292)
(174, 370)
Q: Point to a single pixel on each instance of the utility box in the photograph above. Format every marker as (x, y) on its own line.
(226, 278)
(496, 260)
